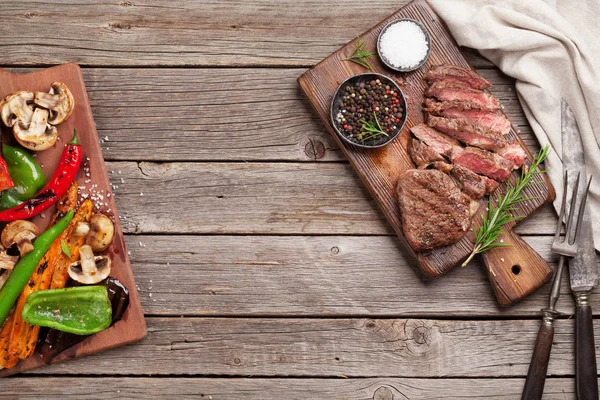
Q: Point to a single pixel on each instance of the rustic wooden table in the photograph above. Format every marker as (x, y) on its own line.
(266, 271)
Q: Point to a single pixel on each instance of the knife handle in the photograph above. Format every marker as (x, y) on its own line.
(586, 375)
(536, 376)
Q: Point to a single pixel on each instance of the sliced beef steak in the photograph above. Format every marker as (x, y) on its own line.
(441, 143)
(485, 163)
(492, 121)
(514, 153)
(433, 210)
(465, 132)
(450, 91)
(472, 184)
(422, 154)
(453, 73)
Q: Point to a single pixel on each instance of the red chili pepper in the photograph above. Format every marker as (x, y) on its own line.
(6, 181)
(57, 186)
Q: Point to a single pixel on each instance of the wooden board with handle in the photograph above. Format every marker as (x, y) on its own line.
(514, 271)
(132, 327)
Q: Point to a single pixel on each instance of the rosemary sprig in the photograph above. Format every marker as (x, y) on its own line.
(360, 56)
(370, 129)
(499, 213)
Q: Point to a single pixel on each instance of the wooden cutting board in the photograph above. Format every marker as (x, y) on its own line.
(514, 271)
(132, 327)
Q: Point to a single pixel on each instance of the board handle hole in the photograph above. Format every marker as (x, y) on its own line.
(516, 269)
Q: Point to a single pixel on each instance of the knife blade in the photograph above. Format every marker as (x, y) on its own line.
(583, 272)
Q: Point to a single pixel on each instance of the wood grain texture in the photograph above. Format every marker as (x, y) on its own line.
(185, 32)
(131, 327)
(277, 388)
(247, 198)
(330, 348)
(220, 275)
(379, 168)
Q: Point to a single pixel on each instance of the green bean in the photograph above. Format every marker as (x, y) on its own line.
(26, 266)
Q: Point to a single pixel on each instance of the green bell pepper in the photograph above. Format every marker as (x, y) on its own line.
(25, 172)
(82, 310)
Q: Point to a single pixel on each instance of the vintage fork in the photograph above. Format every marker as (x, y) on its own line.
(566, 246)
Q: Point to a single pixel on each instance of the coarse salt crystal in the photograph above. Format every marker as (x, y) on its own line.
(404, 44)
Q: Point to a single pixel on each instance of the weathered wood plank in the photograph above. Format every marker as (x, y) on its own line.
(224, 114)
(272, 388)
(332, 348)
(245, 198)
(185, 32)
(314, 276)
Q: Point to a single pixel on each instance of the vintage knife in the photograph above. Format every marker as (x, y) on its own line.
(583, 271)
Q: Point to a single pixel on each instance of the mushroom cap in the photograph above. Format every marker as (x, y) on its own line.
(90, 270)
(19, 229)
(59, 101)
(102, 232)
(37, 135)
(16, 108)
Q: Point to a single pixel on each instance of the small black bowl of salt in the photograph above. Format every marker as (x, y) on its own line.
(404, 45)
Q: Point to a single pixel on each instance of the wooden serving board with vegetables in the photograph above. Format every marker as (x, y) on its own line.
(516, 270)
(60, 185)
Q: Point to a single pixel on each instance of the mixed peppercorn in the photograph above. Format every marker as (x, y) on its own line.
(370, 112)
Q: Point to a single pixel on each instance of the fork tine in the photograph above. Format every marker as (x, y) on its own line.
(562, 207)
(572, 210)
(581, 210)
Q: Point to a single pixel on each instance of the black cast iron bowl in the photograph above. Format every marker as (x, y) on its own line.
(427, 38)
(337, 102)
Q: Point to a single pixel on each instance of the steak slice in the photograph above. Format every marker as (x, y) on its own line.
(422, 154)
(490, 185)
(472, 184)
(451, 91)
(433, 210)
(453, 73)
(485, 163)
(441, 143)
(492, 121)
(465, 132)
(514, 153)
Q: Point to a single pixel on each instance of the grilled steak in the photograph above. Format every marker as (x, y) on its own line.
(453, 73)
(472, 184)
(433, 210)
(422, 154)
(492, 121)
(441, 143)
(467, 133)
(442, 166)
(514, 153)
(485, 163)
(450, 91)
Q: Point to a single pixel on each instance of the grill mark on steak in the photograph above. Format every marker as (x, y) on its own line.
(453, 73)
(492, 121)
(451, 91)
(422, 154)
(485, 163)
(460, 129)
(443, 144)
(434, 212)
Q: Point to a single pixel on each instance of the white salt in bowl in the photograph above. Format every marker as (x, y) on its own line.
(404, 45)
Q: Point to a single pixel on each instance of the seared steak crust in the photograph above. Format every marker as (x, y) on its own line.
(451, 91)
(465, 132)
(492, 121)
(422, 154)
(453, 73)
(434, 212)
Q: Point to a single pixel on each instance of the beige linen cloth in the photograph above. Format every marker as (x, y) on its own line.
(552, 49)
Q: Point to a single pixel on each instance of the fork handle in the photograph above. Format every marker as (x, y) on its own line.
(586, 375)
(536, 376)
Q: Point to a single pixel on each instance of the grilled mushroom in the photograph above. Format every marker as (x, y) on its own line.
(16, 108)
(59, 101)
(89, 270)
(101, 233)
(37, 135)
(20, 233)
(7, 263)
